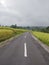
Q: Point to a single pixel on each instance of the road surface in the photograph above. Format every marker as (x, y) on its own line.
(23, 50)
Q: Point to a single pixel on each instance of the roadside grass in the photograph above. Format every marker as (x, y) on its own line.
(44, 37)
(6, 33)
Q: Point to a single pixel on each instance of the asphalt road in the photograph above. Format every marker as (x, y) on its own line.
(23, 50)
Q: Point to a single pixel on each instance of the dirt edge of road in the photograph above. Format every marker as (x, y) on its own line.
(3, 43)
(42, 44)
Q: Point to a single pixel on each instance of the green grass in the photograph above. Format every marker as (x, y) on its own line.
(44, 37)
(6, 33)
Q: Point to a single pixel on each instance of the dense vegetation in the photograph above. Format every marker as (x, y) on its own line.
(7, 32)
(44, 37)
(41, 29)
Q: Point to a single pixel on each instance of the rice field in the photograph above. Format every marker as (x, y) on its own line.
(44, 37)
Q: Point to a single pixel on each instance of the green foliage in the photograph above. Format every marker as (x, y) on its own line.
(13, 26)
(44, 37)
(6, 33)
(47, 28)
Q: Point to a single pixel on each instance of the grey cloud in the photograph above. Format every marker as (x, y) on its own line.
(25, 12)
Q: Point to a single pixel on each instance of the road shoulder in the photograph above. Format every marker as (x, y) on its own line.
(4, 43)
(42, 44)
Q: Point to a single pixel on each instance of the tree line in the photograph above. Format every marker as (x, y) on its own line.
(34, 28)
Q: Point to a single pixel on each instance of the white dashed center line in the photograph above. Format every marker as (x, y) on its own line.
(25, 50)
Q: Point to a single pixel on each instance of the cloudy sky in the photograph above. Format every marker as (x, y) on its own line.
(24, 12)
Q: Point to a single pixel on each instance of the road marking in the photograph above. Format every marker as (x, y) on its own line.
(24, 36)
(25, 50)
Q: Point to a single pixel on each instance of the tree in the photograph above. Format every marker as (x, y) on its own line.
(13, 26)
(47, 28)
